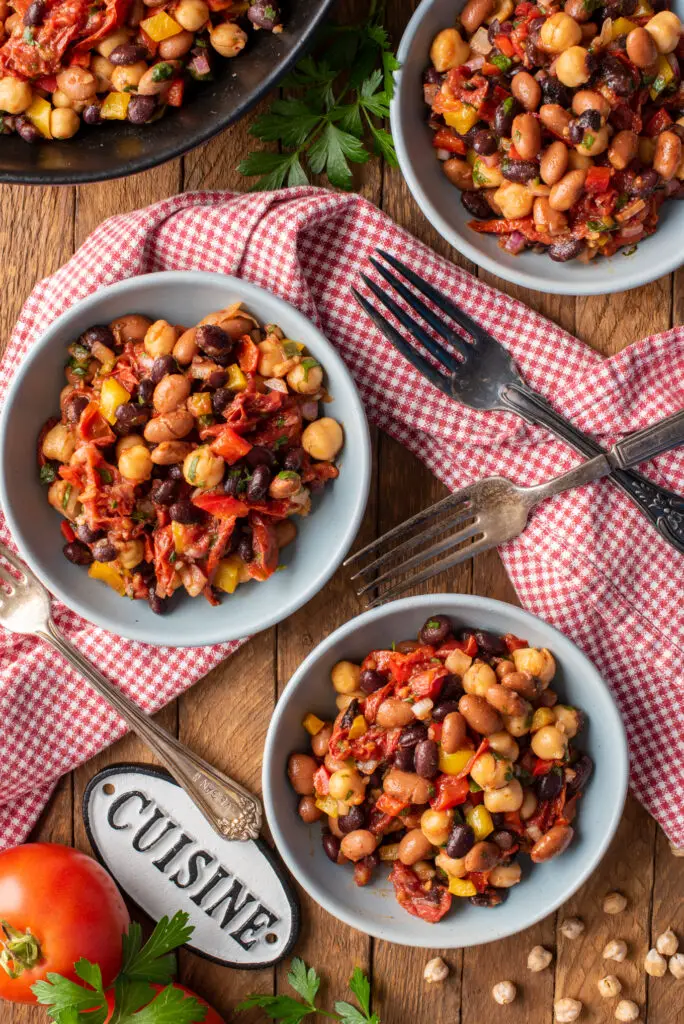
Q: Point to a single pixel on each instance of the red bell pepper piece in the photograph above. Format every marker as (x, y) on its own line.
(429, 682)
(221, 505)
(390, 805)
(67, 531)
(48, 83)
(480, 879)
(542, 767)
(265, 561)
(431, 906)
(468, 646)
(248, 355)
(514, 643)
(598, 179)
(450, 791)
(660, 120)
(321, 781)
(504, 45)
(476, 798)
(93, 427)
(230, 446)
(435, 731)
(446, 139)
(174, 97)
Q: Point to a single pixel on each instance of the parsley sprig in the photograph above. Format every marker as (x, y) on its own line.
(306, 983)
(135, 1001)
(329, 114)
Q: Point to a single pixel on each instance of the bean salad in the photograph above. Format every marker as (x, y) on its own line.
(64, 62)
(181, 455)
(561, 122)
(449, 758)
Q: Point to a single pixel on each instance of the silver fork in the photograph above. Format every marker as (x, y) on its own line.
(481, 375)
(234, 812)
(493, 511)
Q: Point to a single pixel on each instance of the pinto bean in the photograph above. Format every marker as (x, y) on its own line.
(526, 90)
(358, 844)
(526, 136)
(528, 686)
(588, 99)
(168, 453)
(308, 811)
(170, 392)
(567, 191)
(668, 155)
(623, 148)
(169, 426)
(641, 49)
(554, 163)
(300, 770)
(552, 843)
(505, 701)
(414, 846)
(186, 347)
(319, 742)
(406, 786)
(394, 712)
(459, 173)
(453, 732)
(482, 857)
(474, 13)
(555, 119)
(480, 715)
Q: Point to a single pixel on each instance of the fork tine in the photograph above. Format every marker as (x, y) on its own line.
(440, 300)
(476, 548)
(424, 516)
(14, 561)
(7, 577)
(423, 556)
(419, 306)
(433, 347)
(408, 352)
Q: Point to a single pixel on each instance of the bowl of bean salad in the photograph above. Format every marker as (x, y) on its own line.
(444, 771)
(188, 435)
(550, 150)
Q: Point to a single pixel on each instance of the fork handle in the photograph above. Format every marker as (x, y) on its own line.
(663, 508)
(233, 811)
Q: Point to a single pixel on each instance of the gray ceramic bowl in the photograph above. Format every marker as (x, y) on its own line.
(440, 201)
(545, 887)
(324, 537)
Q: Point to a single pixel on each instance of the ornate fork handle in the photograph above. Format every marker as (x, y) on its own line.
(663, 508)
(233, 811)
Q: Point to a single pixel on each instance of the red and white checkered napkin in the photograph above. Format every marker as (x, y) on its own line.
(588, 562)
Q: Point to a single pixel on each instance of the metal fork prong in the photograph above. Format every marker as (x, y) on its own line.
(8, 578)
(423, 556)
(440, 300)
(15, 562)
(437, 529)
(433, 347)
(424, 516)
(418, 306)
(433, 570)
(408, 351)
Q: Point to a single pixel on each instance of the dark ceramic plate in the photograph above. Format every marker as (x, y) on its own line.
(118, 148)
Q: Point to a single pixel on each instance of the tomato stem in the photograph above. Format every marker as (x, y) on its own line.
(19, 951)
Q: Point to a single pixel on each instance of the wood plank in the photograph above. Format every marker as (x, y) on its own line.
(94, 203)
(667, 911)
(609, 322)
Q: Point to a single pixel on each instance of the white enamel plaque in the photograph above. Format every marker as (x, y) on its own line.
(165, 855)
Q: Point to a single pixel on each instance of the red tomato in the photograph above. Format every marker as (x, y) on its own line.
(70, 905)
(211, 1017)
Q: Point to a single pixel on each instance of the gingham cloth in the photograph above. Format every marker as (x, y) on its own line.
(588, 562)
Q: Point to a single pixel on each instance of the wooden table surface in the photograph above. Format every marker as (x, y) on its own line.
(39, 230)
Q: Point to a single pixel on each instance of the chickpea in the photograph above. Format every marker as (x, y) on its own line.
(130, 553)
(501, 743)
(568, 720)
(170, 392)
(126, 78)
(553, 163)
(305, 379)
(345, 676)
(77, 83)
(588, 99)
(407, 786)
(60, 99)
(228, 39)
(202, 468)
(285, 532)
(436, 826)
(301, 770)
(518, 725)
(323, 439)
(665, 29)
(319, 742)
(623, 148)
(129, 441)
(538, 662)
(549, 743)
(308, 811)
(186, 347)
(572, 68)
(191, 14)
(15, 96)
(555, 118)
(132, 327)
(459, 173)
(507, 798)
(453, 732)
(594, 143)
(393, 713)
(474, 13)
(485, 176)
(526, 135)
(578, 161)
(504, 876)
(59, 443)
(103, 70)
(515, 200)
(526, 90)
(160, 339)
(454, 867)
(458, 662)
(529, 804)
(110, 42)
(64, 497)
(478, 678)
(176, 46)
(343, 700)
(449, 50)
(559, 33)
(358, 844)
(347, 785)
(668, 152)
(135, 463)
(490, 772)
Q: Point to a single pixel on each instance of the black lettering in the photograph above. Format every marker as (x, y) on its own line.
(166, 859)
(231, 900)
(193, 869)
(120, 802)
(211, 884)
(260, 919)
(140, 835)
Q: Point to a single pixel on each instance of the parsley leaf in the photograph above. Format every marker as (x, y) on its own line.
(306, 982)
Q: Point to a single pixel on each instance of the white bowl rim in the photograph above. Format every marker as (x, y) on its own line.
(625, 280)
(129, 287)
(448, 602)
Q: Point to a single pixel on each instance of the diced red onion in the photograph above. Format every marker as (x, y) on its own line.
(443, 154)
(514, 243)
(631, 231)
(475, 63)
(309, 410)
(276, 384)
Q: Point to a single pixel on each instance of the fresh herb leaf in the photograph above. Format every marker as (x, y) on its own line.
(28, 37)
(281, 1008)
(303, 980)
(500, 60)
(48, 473)
(162, 72)
(66, 496)
(360, 986)
(154, 962)
(105, 476)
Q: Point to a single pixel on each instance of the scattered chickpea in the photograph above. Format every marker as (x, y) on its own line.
(566, 1010)
(539, 959)
(616, 950)
(677, 966)
(667, 943)
(572, 927)
(504, 993)
(228, 39)
(655, 964)
(676, 851)
(614, 903)
(610, 986)
(435, 971)
(626, 1010)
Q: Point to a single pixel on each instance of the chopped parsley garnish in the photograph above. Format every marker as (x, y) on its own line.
(279, 442)
(192, 469)
(308, 364)
(621, 201)
(48, 474)
(502, 62)
(28, 37)
(172, 557)
(280, 422)
(433, 624)
(66, 496)
(588, 141)
(478, 177)
(206, 420)
(162, 72)
(630, 252)
(105, 476)
(288, 474)
(508, 104)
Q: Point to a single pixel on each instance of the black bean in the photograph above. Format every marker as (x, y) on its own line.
(74, 406)
(141, 108)
(426, 757)
(491, 644)
(370, 680)
(221, 399)
(350, 714)
(84, 533)
(565, 250)
(490, 898)
(619, 8)
(100, 333)
(91, 114)
(431, 76)
(216, 379)
(520, 171)
(130, 415)
(549, 786)
(245, 548)
(127, 54)
(503, 117)
(452, 688)
(413, 734)
(642, 184)
(145, 390)
(616, 75)
(161, 367)
(444, 708)
(485, 142)
(504, 839)
(34, 14)
(375, 780)
(477, 206)
(582, 768)
(435, 630)
(214, 341)
(163, 492)
(331, 845)
(461, 841)
(184, 511)
(27, 131)
(293, 460)
(498, 819)
(231, 484)
(77, 553)
(257, 489)
(356, 818)
(260, 456)
(575, 132)
(403, 759)
(554, 91)
(263, 14)
(590, 119)
(104, 551)
(157, 604)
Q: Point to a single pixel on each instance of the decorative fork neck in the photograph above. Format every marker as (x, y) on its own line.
(585, 473)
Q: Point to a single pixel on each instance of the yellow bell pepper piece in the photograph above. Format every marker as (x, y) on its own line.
(112, 396)
(313, 724)
(161, 27)
(453, 764)
(328, 806)
(662, 79)
(108, 574)
(39, 116)
(462, 887)
(200, 404)
(542, 717)
(358, 727)
(622, 27)
(115, 106)
(236, 378)
(463, 118)
(480, 820)
(227, 575)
